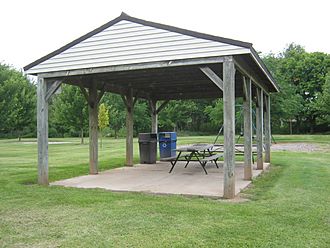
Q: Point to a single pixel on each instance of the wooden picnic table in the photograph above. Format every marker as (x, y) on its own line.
(239, 149)
(196, 152)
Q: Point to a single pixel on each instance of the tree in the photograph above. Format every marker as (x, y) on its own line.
(142, 121)
(69, 111)
(323, 103)
(306, 72)
(103, 117)
(17, 102)
(117, 111)
(116, 122)
(285, 105)
(177, 115)
(200, 121)
(215, 113)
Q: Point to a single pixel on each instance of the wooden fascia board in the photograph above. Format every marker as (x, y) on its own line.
(139, 66)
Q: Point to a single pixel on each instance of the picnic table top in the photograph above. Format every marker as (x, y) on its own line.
(194, 148)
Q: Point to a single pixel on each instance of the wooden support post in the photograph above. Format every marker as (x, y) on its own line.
(267, 129)
(129, 127)
(42, 127)
(247, 108)
(154, 116)
(93, 129)
(259, 131)
(229, 126)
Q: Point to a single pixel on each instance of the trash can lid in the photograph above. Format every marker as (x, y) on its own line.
(147, 136)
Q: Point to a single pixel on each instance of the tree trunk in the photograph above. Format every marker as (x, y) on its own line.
(101, 144)
(116, 134)
(82, 136)
(312, 125)
(298, 125)
(290, 126)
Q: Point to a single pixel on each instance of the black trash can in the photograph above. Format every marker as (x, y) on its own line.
(148, 148)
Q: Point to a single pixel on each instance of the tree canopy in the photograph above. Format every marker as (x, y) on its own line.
(17, 103)
(68, 112)
(302, 77)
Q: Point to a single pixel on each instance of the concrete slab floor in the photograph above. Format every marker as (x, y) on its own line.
(154, 178)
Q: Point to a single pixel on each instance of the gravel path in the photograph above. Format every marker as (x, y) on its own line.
(296, 147)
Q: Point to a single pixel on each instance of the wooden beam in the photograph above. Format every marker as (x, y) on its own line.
(247, 109)
(93, 129)
(229, 127)
(129, 128)
(124, 100)
(101, 93)
(259, 127)
(212, 76)
(267, 129)
(42, 131)
(135, 100)
(122, 91)
(197, 95)
(138, 66)
(162, 106)
(52, 88)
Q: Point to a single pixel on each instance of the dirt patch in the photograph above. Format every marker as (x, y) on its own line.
(296, 147)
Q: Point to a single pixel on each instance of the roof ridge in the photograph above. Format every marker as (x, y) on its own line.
(187, 31)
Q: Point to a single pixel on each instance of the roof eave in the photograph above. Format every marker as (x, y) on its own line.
(263, 67)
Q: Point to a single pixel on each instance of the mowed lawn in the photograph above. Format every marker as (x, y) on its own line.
(288, 206)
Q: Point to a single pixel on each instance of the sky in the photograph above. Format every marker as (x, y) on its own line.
(30, 29)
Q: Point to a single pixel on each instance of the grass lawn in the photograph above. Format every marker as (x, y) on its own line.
(288, 207)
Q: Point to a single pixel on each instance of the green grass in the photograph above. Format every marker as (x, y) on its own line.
(288, 207)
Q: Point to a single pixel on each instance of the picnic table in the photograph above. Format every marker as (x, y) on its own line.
(197, 152)
(239, 149)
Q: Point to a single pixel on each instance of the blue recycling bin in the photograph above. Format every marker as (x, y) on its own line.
(167, 144)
